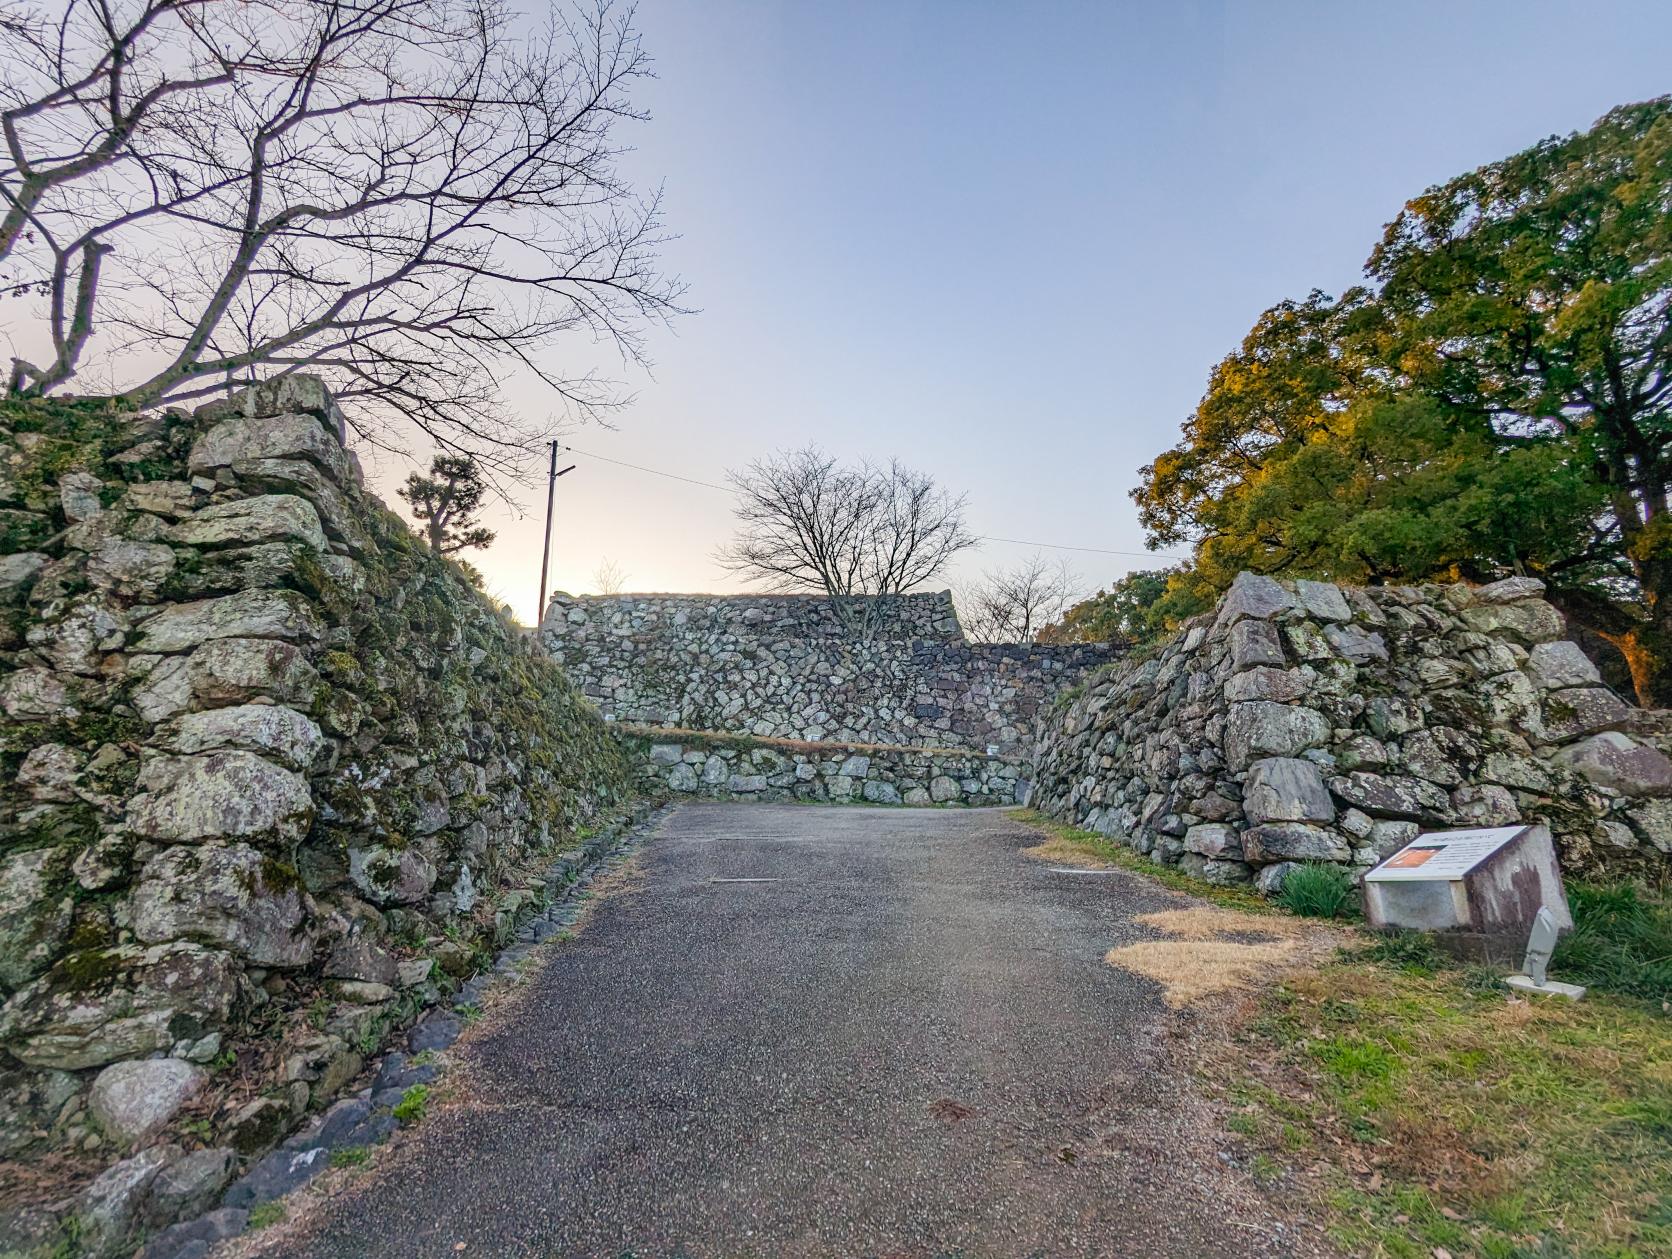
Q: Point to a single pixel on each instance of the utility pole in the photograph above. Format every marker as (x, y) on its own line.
(546, 551)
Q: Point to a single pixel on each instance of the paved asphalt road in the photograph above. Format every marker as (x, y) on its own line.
(901, 1042)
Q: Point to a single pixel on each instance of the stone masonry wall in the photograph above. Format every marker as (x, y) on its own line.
(778, 667)
(274, 776)
(712, 767)
(1305, 722)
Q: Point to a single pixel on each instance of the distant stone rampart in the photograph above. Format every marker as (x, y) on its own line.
(780, 667)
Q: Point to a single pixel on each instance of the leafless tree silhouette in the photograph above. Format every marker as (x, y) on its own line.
(410, 198)
(809, 524)
(1011, 605)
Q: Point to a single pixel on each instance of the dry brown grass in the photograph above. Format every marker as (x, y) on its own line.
(1062, 852)
(1215, 950)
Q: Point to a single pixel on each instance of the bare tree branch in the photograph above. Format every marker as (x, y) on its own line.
(857, 535)
(408, 197)
(1012, 605)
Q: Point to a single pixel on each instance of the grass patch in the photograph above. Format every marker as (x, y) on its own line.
(1069, 845)
(1212, 950)
(1439, 1115)
(1320, 890)
(351, 1155)
(414, 1102)
(1621, 941)
(265, 1214)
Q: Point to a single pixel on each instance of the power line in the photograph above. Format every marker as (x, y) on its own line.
(726, 489)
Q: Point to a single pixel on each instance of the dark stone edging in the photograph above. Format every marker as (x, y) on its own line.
(367, 1118)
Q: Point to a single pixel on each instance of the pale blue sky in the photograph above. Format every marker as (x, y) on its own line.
(1007, 243)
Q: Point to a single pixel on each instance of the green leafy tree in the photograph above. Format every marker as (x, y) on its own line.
(1139, 608)
(446, 503)
(1496, 404)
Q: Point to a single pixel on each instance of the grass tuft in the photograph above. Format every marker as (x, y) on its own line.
(413, 1103)
(265, 1214)
(1621, 941)
(1320, 890)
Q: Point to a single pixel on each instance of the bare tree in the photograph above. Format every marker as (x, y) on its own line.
(856, 534)
(446, 503)
(609, 577)
(1012, 605)
(406, 197)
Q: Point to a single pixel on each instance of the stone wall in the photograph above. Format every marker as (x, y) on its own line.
(779, 667)
(715, 767)
(273, 772)
(1304, 722)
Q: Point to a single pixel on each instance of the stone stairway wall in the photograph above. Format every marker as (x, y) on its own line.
(1301, 721)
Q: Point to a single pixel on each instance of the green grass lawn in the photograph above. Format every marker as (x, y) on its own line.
(1435, 1114)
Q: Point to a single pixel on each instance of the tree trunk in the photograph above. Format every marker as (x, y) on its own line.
(1643, 637)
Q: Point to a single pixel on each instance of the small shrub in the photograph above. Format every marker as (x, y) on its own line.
(1621, 941)
(411, 1107)
(1319, 890)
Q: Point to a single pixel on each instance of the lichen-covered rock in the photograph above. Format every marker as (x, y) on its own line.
(1620, 763)
(1528, 622)
(189, 1186)
(391, 876)
(232, 897)
(1253, 596)
(132, 1100)
(1256, 643)
(1260, 728)
(109, 1210)
(1391, 795)
(35, 912)
(282, 614)
(236, 670)
(98, 1005)
(224, 795)
(1560, 664)
(263, 518)
(162, 688)
(1570, 713)
(273, 730)
(273, 437)
(127, 567)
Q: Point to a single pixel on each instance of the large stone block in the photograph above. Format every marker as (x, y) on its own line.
(232, 897)
(1560, 664)
(1252, 595)
(1528, 623)
(278, 437)
(1292, 841)
(252, 521)
(1567, 714)
(273, 730)
(1260, 728)
(1620, 763)
(99, 1005)
(1256, 643)
(234, 670)
(131, 1100)
(282, 614)
(35, 911)
(224, 795)
(391, 876)
(1286, 789)
(1391, 795)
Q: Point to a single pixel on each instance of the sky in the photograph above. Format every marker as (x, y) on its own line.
(1007, 243)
